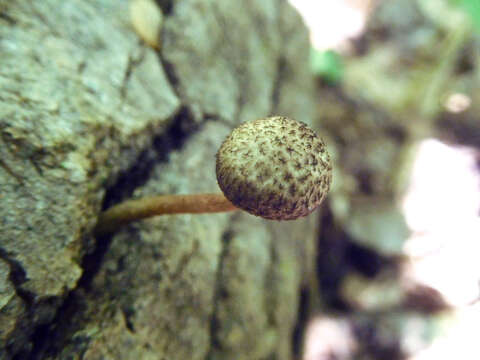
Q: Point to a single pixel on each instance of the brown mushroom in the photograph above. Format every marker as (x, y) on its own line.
(276, 168)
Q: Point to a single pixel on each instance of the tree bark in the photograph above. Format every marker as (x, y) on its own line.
(91, 116)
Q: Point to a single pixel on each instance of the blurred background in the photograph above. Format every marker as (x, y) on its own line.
(398, 269)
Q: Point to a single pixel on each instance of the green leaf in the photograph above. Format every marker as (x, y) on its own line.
(327, 65)
(472, 8)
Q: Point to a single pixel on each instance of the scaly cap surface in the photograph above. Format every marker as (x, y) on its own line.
(276, 168)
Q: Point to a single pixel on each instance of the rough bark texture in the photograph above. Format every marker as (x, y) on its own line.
(87, 113)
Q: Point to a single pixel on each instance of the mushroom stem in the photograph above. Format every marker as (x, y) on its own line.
(132, 210)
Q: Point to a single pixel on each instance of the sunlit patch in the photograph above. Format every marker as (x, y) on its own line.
(442, 210)
(457, 103)
(458, 341)
(329, 338)
(332, 22)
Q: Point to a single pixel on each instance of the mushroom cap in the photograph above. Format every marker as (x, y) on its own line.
(276, 168)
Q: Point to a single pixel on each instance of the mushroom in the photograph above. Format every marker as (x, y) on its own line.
(276, 168)
(147, 20)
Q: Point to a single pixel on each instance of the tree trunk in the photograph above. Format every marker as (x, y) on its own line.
(90, 115)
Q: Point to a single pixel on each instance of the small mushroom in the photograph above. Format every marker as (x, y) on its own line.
(276, 168)
(147, 20)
